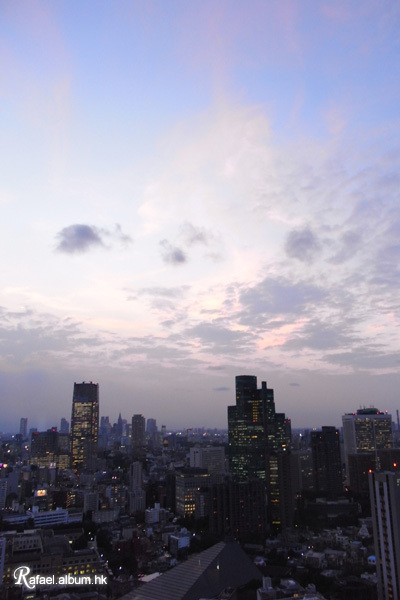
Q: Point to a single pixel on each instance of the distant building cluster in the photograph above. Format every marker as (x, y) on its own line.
(129, 497)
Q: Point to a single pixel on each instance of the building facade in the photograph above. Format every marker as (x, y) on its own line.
(259, 446)
(138, 430)
(187, 483)
(367, 430)
(385, 511)
(84, 426)
(50, 449)
(23, 427)
(327, 464)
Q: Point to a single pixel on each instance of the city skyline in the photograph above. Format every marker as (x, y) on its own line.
(193, 191)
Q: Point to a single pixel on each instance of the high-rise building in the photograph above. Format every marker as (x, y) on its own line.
(257, 436)
(247, 434)
(359, 466)
(302, 475)
(84, 426)
(120, 425)
(211, 458)
(367, 430)
(151, 427)
(327, 464)
(254, 429)
(23, 427)
(187, 483)
(50, 449)
(238, 508)
(385, 511)
(64, 426)
(3, 494)
(138, 430)
(135, 475)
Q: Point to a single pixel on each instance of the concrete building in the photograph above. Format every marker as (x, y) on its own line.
(327, 464)
(3, 493)
(50, 449)
(385, 510)
(187, 483)
(211, 458)
(135, 475)
(137, 501)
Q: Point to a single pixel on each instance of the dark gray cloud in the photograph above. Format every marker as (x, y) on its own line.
(302, 244)
(78, 239)
(172, 254)
(294, 384)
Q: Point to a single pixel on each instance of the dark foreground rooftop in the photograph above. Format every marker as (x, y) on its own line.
(203, 575)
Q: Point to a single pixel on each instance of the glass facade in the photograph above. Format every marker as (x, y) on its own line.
(84, 425)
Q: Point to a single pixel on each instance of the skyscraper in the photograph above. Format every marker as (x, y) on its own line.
(50, 448)
(84, 425)
(258, 438)
(23, 427)
(247, 432)
(385, 511)
(367, 430)
(64, 426)
(138, 430)
(254, 429)
(327, 466)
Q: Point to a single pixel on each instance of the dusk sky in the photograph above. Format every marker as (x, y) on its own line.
(193, 190)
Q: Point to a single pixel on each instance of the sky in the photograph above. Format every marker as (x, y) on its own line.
(195, 190)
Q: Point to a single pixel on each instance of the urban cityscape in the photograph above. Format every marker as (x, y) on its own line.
(95, 509)
(199, 300)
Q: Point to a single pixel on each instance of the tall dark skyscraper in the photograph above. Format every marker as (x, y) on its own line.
(258, 445)
(254, 429)
(23, 427)
(327, 465)
(138, 430)
(247, 431)
(84, 425)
